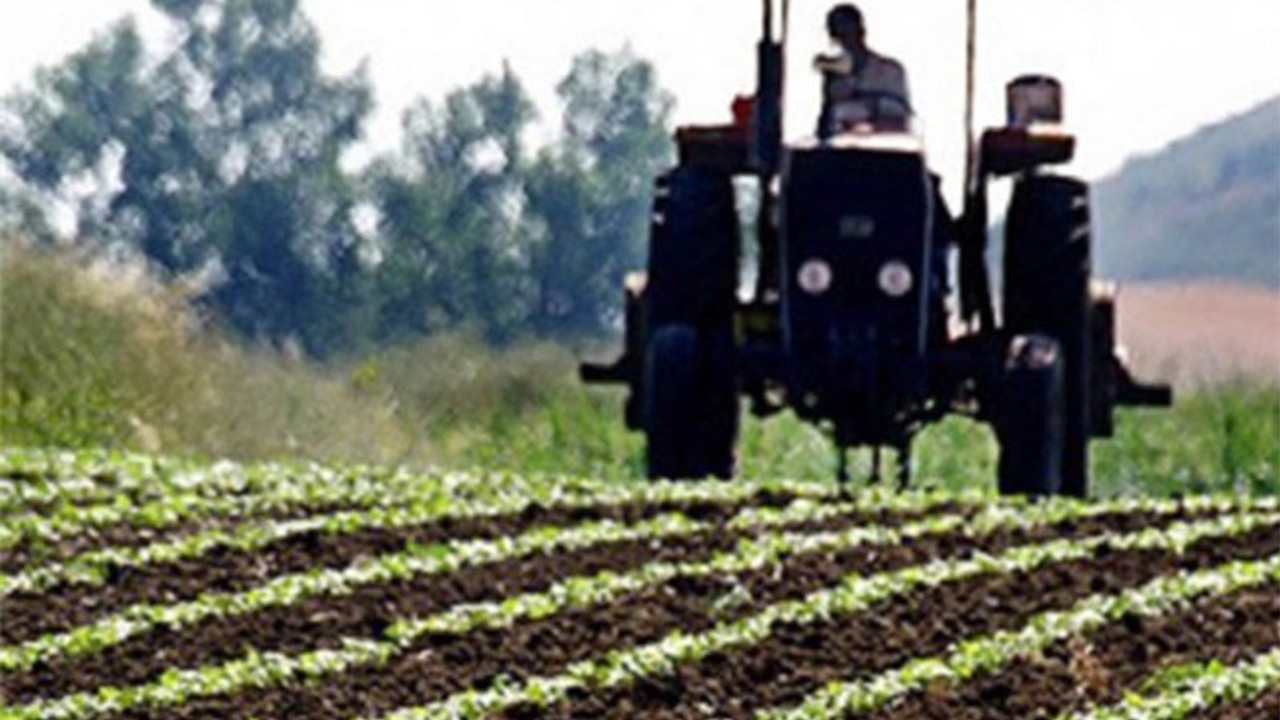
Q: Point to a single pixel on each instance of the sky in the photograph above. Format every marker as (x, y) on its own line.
(1138, 73)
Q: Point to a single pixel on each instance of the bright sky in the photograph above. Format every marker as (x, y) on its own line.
(1138, 73)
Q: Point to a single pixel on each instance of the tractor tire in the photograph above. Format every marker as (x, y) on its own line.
(1031, 422)
(1047, 270)
(691, 404)
(694, 247)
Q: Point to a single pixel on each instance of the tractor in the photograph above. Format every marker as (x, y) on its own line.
(873, 312)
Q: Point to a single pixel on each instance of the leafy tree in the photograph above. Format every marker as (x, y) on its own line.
(222, 157)
(479, 235)
(68, 130)
(593, 192)
(226, 155)
(452, 209)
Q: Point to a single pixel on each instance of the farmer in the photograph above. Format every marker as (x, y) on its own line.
(862, 90)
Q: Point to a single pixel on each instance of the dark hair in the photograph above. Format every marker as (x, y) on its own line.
(843, 18)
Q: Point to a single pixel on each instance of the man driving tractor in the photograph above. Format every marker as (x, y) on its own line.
(861, 88)
(855, 324)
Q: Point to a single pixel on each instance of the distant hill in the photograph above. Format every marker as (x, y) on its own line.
(1206, 207)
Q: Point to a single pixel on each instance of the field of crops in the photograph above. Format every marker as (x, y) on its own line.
(135, 587)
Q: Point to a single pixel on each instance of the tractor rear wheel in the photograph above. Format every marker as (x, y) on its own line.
(1031, 423)
(691, 404)
(1047, 270)
(691, 372)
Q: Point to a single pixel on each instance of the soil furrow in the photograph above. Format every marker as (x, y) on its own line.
(321, 622)
(29, 615)
(30, 552)
(799, 659)
(1100, 667)
(33, 551)
(437, 666)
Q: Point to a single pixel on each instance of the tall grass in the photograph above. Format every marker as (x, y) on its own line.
(98, 355)
(94, 357)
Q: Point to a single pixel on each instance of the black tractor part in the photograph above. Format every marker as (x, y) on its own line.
(1031, 425)
(690, 385)
(1047, 270)
(693, 250)
(691, 405)
(857, 343)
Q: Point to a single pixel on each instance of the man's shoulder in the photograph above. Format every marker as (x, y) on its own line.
(886, 71)
(884, 61)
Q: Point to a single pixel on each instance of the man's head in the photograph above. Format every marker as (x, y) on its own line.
(844, 25)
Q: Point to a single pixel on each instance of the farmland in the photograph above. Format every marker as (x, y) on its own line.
(142, 587)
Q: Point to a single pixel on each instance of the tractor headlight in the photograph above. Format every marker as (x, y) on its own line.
(815, 277)
(896, 279)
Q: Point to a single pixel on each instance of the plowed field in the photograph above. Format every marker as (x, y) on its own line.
(136, 587)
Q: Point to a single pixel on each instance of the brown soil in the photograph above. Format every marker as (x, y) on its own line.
(797, 660)
(322, 622)
(437, 666)
(1201, 332)
(1096, 670)
(29, 615)
(28, 553)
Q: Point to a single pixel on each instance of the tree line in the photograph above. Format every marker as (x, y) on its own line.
(221, 158)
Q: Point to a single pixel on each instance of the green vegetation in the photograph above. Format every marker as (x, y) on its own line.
(89, 360)
(855, 594)
(98, 356)
(578, 594)
(1201, 685)
(220, 157)
(990, 654)
(774, 538)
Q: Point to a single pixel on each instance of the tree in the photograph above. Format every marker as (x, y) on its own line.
(62, 138)
(592, 193)
(225, 155)
(452, 209)
(222, 157)
(480, 236)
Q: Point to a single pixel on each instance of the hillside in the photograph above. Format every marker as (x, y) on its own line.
(1206, 207)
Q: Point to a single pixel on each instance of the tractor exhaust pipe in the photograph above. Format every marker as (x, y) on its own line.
(766, 151)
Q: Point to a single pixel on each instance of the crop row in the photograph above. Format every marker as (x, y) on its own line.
(391, 567)
(625, 665)
(70, 520)
(856, 593)
(1193, 689)
(44, 479)
(99, 479)
(39, 478)
(156, 494)
(94, 567)
(456, 494)
(991, 653)
(438, 559)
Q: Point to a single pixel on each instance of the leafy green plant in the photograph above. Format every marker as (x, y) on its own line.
(994, 652)
(855, 593)
(1195, 689)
